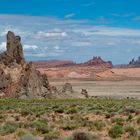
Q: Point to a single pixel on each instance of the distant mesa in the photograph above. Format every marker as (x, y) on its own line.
(54, 63)
(98, 61)
(94, 62)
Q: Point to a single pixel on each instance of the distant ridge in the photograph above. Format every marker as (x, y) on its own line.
(95, 61)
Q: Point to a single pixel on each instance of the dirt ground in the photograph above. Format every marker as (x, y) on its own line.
(125, 88)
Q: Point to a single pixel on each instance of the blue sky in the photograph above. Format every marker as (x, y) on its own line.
(74, 29)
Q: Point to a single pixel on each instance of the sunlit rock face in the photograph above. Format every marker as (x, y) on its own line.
(18, 78)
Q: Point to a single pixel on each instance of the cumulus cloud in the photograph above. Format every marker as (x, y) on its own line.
(68, 39)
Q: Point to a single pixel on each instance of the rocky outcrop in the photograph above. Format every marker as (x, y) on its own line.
(67, 88)
(14, 53)
(5, 80)
(18, 78)
(134, 63)
(98, 62)
(85, 93)
(67, 91)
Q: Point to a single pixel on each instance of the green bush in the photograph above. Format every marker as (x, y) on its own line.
(99, 124)
(59, 110)
(51, 136)
(118, 121)
(2, 116)
(68, 125)
(8, 128)
(85, 136)
(25, 112)
(138, 120)
(41, 126)
(115, 131)
(130, 130)
(72, 110)
(28, 137)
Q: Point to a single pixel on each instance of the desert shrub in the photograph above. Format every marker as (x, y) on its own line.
(68, 125)
(28, 137)
(17, 117)
(8, 127)
(21, 133)
(118, 121)
(41, 126)
(25, 112)
(129, 118)
(130, 130)
(59, 110)
(2, 116)
(138, 120)
(51, 136)
(98, 112)
(85, 136)
(115, 131)
(99, 124)
(72, 110)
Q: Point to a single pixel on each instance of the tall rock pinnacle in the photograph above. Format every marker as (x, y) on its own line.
(14, 48)
(14, 52)
(18, 78)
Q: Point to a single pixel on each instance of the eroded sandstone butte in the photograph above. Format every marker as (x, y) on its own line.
(18, 78)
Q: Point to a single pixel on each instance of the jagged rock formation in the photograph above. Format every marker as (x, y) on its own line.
(18, 78)
(67, 88)
(67, 91)
(98, 62)
(85, 93)
(14, 53)
(134, 63)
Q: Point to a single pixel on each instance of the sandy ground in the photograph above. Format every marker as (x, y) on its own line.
(121, 89)
(93, 73)
(111, 82)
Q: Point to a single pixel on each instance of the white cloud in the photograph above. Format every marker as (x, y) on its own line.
(27, 47)
(52, 37)
(81, 44)
(56, 47)
(70, 15)
(3, 46)
(51, 34)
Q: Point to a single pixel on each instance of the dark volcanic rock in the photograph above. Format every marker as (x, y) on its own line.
(17, 77)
